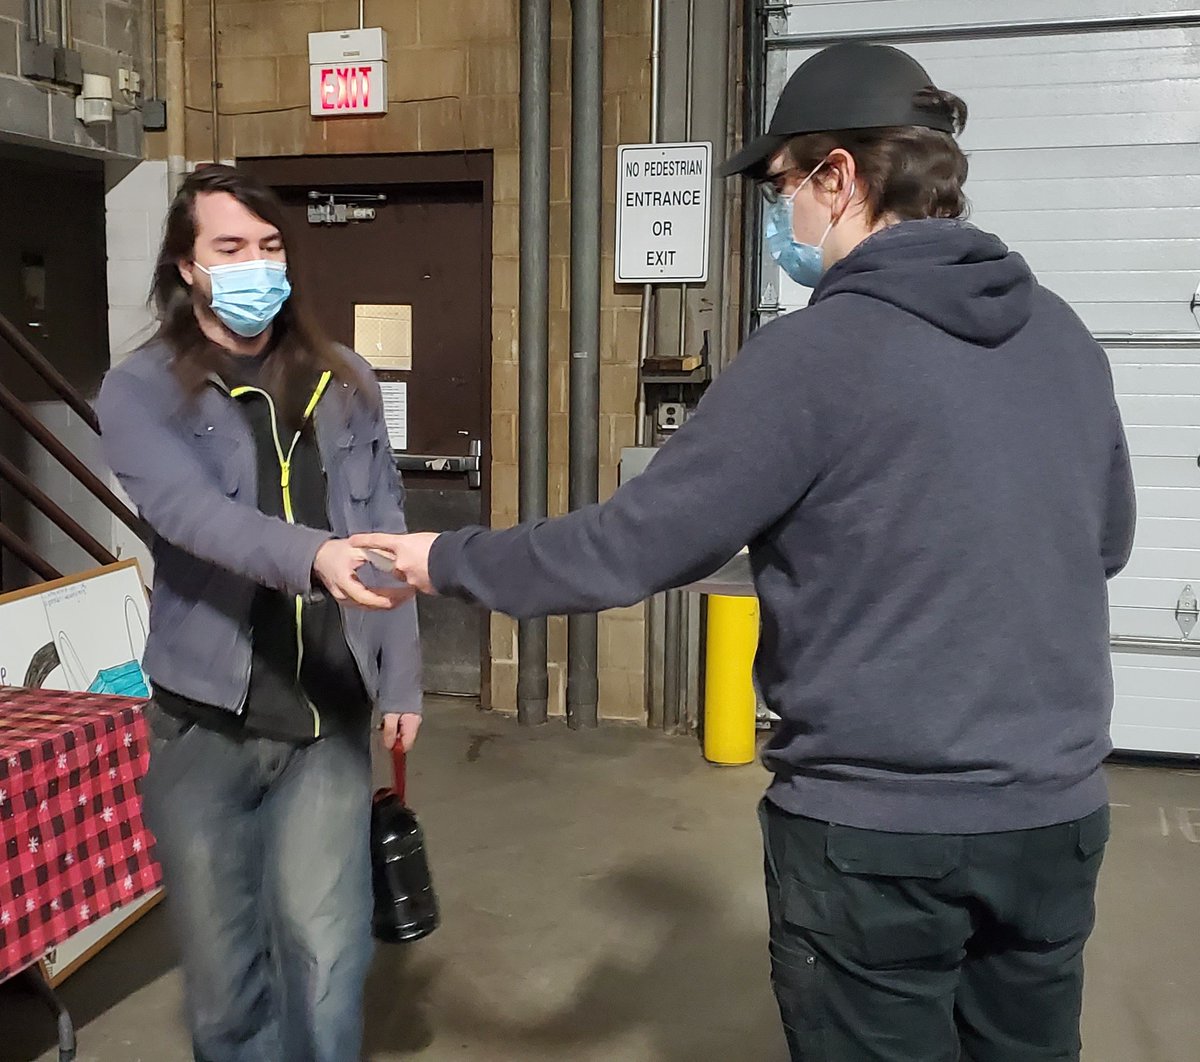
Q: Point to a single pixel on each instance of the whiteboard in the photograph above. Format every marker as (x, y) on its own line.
(84, 633)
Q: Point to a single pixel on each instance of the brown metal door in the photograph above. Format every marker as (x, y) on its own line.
(426, 249)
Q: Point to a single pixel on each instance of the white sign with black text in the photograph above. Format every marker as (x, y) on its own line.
(663, 204)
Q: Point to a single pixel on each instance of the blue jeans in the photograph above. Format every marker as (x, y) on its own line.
(266, 860)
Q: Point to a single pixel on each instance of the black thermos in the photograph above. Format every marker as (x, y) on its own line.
(405, 904)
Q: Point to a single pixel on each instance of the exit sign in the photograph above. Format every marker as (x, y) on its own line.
(352, 88)
(347, 73)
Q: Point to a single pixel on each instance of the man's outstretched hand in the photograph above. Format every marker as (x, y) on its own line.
(409, 555)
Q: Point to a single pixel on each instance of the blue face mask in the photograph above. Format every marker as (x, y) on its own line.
(246, 296)
(803, 262)
(124, 680)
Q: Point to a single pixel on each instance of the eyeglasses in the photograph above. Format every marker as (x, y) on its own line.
(773, 184)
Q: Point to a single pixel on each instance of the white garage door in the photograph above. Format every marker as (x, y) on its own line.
(1082, 138)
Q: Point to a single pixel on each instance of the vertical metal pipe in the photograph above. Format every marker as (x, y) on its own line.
(655, 134)
(154, 49)
(534, 299)
(216, 81)
(361, 23)
(587, 102)
(176, 113)
(64, 23)
(35, 26)
(688, 88)
(753, 54)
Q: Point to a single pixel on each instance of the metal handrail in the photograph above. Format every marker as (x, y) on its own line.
(1137, 644)
(16, 409)
(20, 549)
(57, 382)
(53, 512)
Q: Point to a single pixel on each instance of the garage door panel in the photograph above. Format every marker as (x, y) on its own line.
(1167, 472)
(1164, 677)
(1162, 440)
(1174, 563)
(1131, 592)
(1098, 192)
(1160, 533)
(1047, 257)
(1178, 410)
(1108, 164)
(1135, 357)
(835, 15)
(1149, 379)
(1022, 225)
(1171, 502)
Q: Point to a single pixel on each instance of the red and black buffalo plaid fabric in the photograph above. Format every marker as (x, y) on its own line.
(72, 843)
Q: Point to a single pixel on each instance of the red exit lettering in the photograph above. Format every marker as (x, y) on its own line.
(345, 88)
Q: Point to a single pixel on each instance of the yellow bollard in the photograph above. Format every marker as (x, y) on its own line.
(729, 700)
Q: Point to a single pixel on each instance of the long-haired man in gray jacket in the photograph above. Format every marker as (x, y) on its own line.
(252, 446)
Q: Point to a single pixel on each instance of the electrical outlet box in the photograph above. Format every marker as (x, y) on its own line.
(68, 67)
(671, 415)
(37, 60)
(123, 80)
(154, 116)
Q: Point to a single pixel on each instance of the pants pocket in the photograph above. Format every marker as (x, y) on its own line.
(1067, 906)
(890, 909)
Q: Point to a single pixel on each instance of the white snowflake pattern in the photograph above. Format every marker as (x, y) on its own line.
(30, 906)
(100, 863)
(55, 905)
(128, 739)
(69, 859)
(34, 845)
(62, 761)
(127, 884)
(137, 844)
(5, 918)
(99, 750)
(12, 761)
(3, 796)
(112, 772)
(86, 911)
(82, 800)
(107, 814)
(44, 806)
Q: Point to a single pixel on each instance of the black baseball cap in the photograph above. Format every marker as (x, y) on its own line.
(845, 86)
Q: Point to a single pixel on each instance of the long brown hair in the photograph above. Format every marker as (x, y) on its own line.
(299, 349)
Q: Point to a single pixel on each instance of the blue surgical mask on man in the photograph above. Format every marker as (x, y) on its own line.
(246, 296)
(803, 262)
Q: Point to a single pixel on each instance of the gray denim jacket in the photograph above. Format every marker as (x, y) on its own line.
(189, 467)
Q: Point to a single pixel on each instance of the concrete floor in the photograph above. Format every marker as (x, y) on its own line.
(602, 902)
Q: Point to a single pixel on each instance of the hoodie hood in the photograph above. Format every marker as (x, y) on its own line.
(960, 279)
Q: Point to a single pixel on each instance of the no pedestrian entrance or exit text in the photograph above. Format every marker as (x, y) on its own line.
(663, 197)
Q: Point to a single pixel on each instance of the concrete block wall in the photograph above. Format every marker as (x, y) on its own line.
(135, 212)
(454, 80)
(109, 35)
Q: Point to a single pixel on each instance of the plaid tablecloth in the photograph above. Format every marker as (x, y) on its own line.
(72, 843)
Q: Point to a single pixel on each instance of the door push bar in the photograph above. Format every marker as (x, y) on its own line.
(471, 465)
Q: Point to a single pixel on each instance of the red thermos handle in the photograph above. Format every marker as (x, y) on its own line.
(399, 771)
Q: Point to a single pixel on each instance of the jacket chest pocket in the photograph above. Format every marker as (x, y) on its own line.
(221, 455)
(356, 454)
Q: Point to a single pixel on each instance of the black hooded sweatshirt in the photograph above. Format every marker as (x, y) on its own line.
(930, 470)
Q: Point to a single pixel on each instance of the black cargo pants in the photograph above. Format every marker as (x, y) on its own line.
(893, 947)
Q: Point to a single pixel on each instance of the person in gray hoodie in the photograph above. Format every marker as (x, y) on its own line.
(931, 473)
